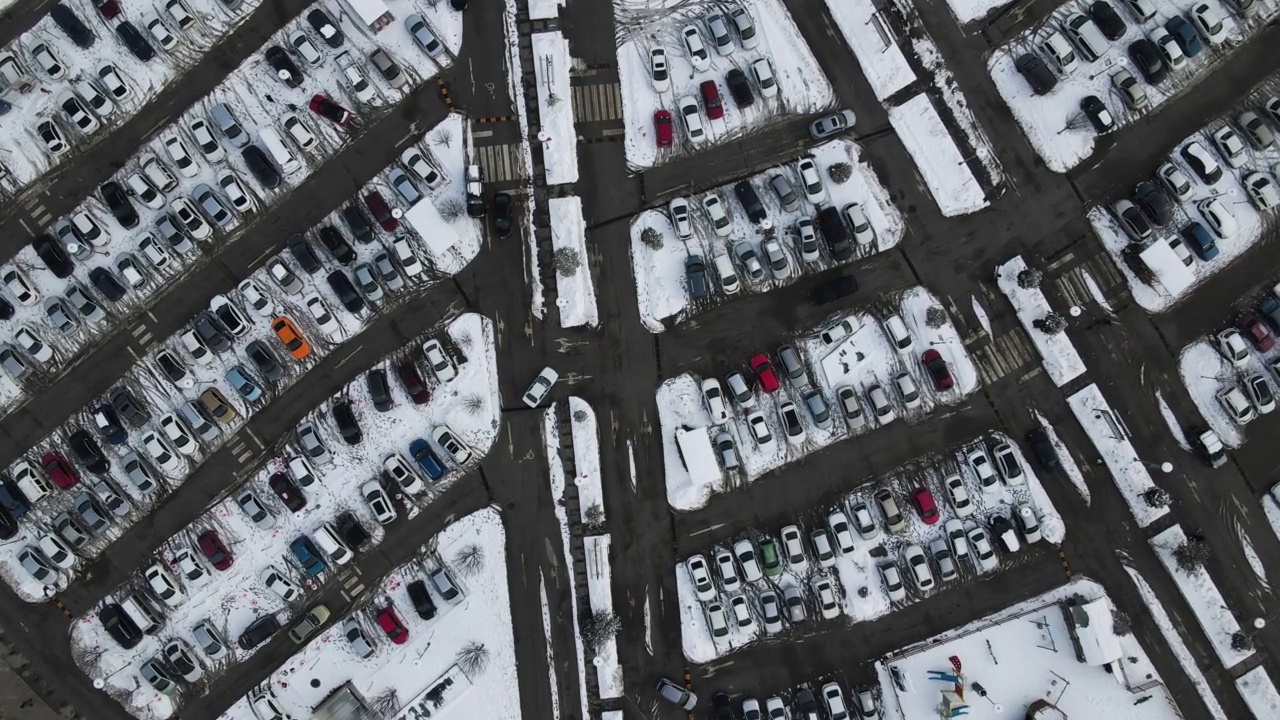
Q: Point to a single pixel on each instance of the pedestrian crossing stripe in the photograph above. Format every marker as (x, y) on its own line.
(597, 103)
(501, 163)
(1003, 355)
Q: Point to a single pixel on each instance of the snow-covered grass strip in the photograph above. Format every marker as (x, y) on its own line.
(1110, 439)
(1179, 648)
(1271, 508)
(586, 459)
(555, 107)
(575, 288)
(1205, 373)
(1171, 420)
(532, 269)
(1259, 693)
(600, 594)
(943, 168)
(1069, 466)
(873, 43)
(1058, 355)
(1203, 596)
(946, 83)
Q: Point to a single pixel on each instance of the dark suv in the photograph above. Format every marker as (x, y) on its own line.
(86, 450)
(336, 245)
(358, 224)
(750, 202)
(134, 40)
(119, 626)
(52, 254)
(261, 166)
(502, 214)
(258, 632)
(379, 390)
(346, 291)
(303, 253)
(347, 425)
(119, 204)
(421, 600)
(284, 66)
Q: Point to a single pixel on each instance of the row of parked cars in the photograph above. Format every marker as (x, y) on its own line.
(864, 702)
(1252, 394)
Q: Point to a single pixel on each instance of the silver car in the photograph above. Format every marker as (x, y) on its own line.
(387, 271)
(87, 308)
(213, 208)
(404, 186)
(154, 672)
(831, 124)
(423, 36)
(354, 634)
(248, 502)
(312, 446)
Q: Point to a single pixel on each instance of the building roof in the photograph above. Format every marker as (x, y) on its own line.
(1168, 269)
(1094, 634)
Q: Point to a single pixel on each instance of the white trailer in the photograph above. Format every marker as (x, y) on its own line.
(373, 13)
(698, 456)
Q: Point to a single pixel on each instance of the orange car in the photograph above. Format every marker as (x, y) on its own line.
(292, 339)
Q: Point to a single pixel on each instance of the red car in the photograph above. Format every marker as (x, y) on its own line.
(282, 485)
(330, 110)
(412, 382)
(391, 625)
(59, 471)
(1257, 331)
(381, 211)
(764, 373)
(214, 551)
(108, 8)
(662, 122)
(938, 369)
(711, 99)
(925, 505)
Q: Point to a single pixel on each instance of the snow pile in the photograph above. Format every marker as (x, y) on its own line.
(1171, 420)
(575, 290)
(1111, 439)
(1059, 356)
(586, 458)
(941, 165)
(872, 41)
(435, 671)
(659, 269)
(555, 110)
(967, 11)
(1203, 596)
(1259, 693)
(1205, 373)
(1033, 637)
(803, 88)
(544, 9)
(600, 593)
(947, 86)
(1069, 466)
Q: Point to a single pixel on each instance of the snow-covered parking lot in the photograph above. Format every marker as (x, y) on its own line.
(467, 405)
(1055, 124)
(835, 378)
(659, 255)
(794, 83)
(458, 665)
(1230, 395)
(844, 559)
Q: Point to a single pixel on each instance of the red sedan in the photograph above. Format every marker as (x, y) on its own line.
(108, 8)
(282, 485)
(1257, 331)
(381, 211)
(330, 110)
(662, 123)
(925, 505)
(763, 369)
(711, 99)
(214, 551)
(391, 625)
(59, 471)
(938, 370)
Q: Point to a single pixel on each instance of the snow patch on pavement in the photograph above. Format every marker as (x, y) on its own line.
(1254, 560)
(1111, 439)
(1259, 693)
(1172, 421)
(1057, 353)
(940, 162)
(1069, 466)
(1203, 597)
(981, 313)
(551, 64)
(575, 291)
(545, 10)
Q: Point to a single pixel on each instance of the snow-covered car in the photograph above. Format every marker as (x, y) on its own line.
(383, 511)
(324, 319)
(745, 27)
(1010, 467)
(688, 106)
(696, 48)
(793, 549)
(700, 574)
(958, 496)
(32, 345)
(728, 571)
(745, 553)
(1232, 346)
(540, 386)
(980, 464)
(982, 554)
(880, 405)
(1237, 406)
(659, 73)
(892, 580)
(277, 583)
(1231, 146)
(918, 563)
(713, 395)
(1210, 22)
(717, 216)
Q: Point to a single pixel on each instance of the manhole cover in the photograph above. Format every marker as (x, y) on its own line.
(315, 682)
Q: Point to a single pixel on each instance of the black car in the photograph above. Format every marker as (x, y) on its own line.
(346, 291)
(833, 289)
(379, 390)
(107, 422)
(118, 203)
(358, 224)
(695, 277)
(347, 425)
(86, 450)
(750, 202)
(119, 626)
(303, 253)
(336, 245)
(1153, 202)
(1097, 113)
(286, 70)
(53, 255)
(258, 632)
(264, 360)
(721, 707)
(1107, 20)
(1146, 56)
(6, 309)
(806, 702)
(8, 525)
(208, 331)
(502, 214)
(12, 500)
(128, 408)
(421, 600)
(458, 5)
(739, 88)
(72, 25)
(107, 284)
(352, 532)
(284, 488)
(325, 27)
(134, 40)
(1000, 530)
(835, 233)
(264, 171)
(1043, 447)
(1037, 73)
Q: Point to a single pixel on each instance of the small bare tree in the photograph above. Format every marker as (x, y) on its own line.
(469, 560)
(1242, 642)
(651, 238)
(385, 703)
(473, 658)
(1050, 324)
(442, 137)
(464, 340)
(593, 517)
(567, 261)
(935, 317)
(840, 172)
(473, 403)
(580, 415)
(452, 209)
(597, 628)
(1030, 278)
(1120, 622)
(1078, 121)
(1156, 497)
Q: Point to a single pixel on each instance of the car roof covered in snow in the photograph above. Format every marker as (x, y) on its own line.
(1167, 267)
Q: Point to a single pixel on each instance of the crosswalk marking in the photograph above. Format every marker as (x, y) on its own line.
(38, 212)
(1104, 271)
(1003, 355)
(142, 334)
(1074, 284)
(501, 163)
(597, 103)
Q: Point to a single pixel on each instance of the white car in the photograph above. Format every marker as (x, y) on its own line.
(192, 221)
(160, 453)
(1218, 217)
(305, 49)
(880, 404)
(716, 215)
(1231, 146)
(1209, 21)
(21, 289)
(1176, 181)
(703, 587)
(793, 549)
(980, 464)
(719, 30)
(825, 592)
(688, 106)
(1237, 406)
(763, 73)
(811, 180)
(1232, 346)
(298, 130)
(56, 551)
(863, 233)
(257, 298)
(32, 346)
(918, 563)
(206, 142)
(954, 531)
(277, 583)
(189, 566)
(907, 390)
(892, 579)
(164, 585)
(1028, 523)
(681, 220)
(540, 386)
(112, 82)
(1010, 466)
(746, 28)
(159, 32)
(717, 621)
(836, 333)
(823, 551)
(194, 345)
(74, 109)
(376, 498)
(178, 434)
(1262, 190)
(714, 397)
(771, 611)
(235, 191)
(958, 496)
(180, 156)
(1260, 394)
(864, 522)
(403, 475)
(439, 362)
(659, 72)
(838, 523)
(834, 698)
(324, 319)
(745, 552)
(791, 424)
(728, 571)
(448, 441)
(696, 48)
(36, 566)
(982, 555)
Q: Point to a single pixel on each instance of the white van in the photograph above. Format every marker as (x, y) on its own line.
(140, 612)
(726, 274)
(158, 174)
(33, 484)
(330, 543)
(1087, 37)
(279, 151)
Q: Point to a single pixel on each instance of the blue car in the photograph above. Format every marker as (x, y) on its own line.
(108, 424)
(239, 379)
(12, 500)
(426, 459)
(307, 556)
(1201, 241)
(1185, 35)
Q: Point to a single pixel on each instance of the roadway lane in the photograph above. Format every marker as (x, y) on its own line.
(21, 17)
